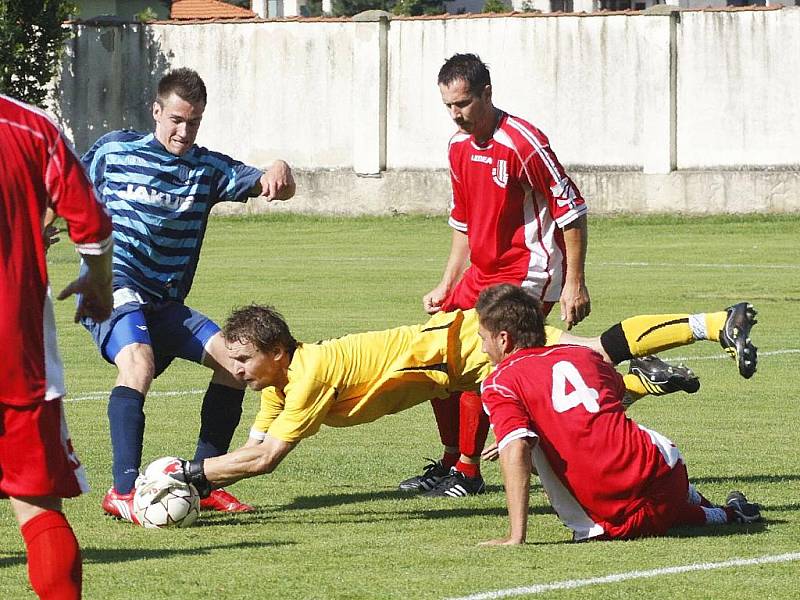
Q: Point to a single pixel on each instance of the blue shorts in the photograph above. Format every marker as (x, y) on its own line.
(172, 329)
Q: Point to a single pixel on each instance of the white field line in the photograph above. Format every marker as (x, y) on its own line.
(698, 265)
(726, 357)
(668, 265)
(104, 395)
(578, 583)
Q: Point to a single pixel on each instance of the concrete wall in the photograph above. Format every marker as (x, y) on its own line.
(740, 104)
(695, 110)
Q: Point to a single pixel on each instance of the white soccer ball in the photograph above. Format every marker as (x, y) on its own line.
(162, 501)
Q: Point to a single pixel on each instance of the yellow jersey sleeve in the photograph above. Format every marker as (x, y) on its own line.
(305, 406)
(271, 406)
(552, 335)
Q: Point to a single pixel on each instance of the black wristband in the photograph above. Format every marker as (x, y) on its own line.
(196, 476)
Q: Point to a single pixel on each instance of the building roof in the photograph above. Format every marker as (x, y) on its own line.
(208, 9)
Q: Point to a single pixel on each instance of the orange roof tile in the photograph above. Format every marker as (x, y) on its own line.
(208, 9)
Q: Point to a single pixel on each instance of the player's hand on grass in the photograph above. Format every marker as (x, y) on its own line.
(506, 541)
(575, 303)
(277, 182)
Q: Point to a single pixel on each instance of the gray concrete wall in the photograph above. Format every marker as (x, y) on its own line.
(690, 111)
(427, 191)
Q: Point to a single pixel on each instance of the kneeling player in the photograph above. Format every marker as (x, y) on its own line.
(559, 409)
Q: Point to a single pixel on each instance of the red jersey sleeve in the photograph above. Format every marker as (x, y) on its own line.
(74, 199)
(507, 413)
(458, 204)
(544, 173)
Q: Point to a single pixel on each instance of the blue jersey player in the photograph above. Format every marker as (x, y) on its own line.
(159, 189)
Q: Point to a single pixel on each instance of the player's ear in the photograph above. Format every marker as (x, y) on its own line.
(506, 342)
(486, 95)
(156, 110)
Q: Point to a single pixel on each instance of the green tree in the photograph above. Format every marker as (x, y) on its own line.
(496, 6)
(32, 39)
(415, 8)
(348, 8)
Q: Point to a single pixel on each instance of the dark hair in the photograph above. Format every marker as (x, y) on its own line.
(468, 67)
(263, 326)
(513, 309)
(186, 83)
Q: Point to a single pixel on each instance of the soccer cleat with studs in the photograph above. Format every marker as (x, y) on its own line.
(223, 501)
(120, 506)
(660, 378)
(457, 485)
(432, 474)
(734, 337)
(743, 511)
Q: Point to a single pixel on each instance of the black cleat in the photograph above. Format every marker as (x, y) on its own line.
(659, 377)
(457, 485)
(432, 474)
(734, 337)
(744, 511)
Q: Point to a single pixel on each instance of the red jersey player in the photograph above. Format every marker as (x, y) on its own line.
(517, 218)
(38, 466)
(559, 410)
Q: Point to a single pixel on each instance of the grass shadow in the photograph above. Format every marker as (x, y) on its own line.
(115, 555)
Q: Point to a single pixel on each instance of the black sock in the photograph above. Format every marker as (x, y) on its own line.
(222, 409)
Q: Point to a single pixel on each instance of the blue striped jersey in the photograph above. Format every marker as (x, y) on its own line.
(159, 204)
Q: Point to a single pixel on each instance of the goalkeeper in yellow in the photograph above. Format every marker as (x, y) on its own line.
(361, 377)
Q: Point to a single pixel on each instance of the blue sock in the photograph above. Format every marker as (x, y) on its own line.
(126, 421)
(222, 409)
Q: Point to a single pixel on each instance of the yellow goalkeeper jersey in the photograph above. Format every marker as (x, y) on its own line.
(360, 377)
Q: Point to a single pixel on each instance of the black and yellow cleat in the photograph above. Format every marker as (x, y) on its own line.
(734, 337)
(659, 377)
(743, 511)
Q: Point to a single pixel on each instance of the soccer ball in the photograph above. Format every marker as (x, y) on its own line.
(161, 501)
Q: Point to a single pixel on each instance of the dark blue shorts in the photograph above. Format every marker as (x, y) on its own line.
(172, 329)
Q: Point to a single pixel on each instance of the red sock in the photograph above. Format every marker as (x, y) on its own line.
(54, 557)
(468, 469)
(446, 413)
(449, 459)
(474, 425)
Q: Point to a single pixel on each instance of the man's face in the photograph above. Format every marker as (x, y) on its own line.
(466, 110)
(177, 123)
(495, 345)
(256, 368)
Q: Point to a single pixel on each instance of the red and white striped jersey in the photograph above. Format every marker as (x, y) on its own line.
(37, 168)
(595, 463)
(511, 198)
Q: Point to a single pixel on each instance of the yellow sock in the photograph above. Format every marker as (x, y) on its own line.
(651, 334)
(714, 323)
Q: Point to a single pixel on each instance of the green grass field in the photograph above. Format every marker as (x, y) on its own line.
(330, 523)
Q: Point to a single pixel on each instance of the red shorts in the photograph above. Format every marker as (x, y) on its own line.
(666, 505)
(36, 455)
(465, 294)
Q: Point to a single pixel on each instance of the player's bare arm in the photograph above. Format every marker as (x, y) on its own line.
(456, 264)
(575, 302)
(516, 464)
(276, 183)
(245, 462)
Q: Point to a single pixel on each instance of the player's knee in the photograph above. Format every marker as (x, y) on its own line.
(136, 366)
